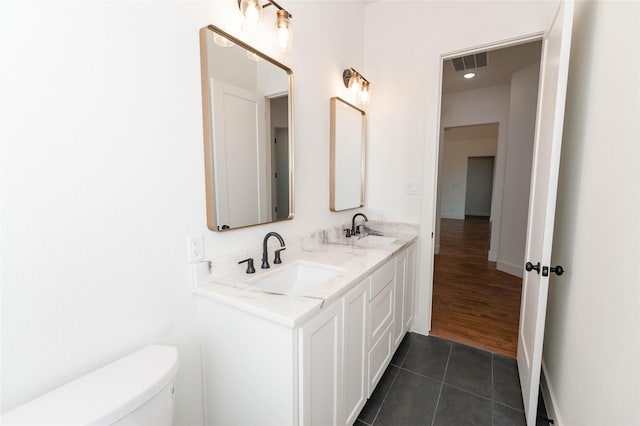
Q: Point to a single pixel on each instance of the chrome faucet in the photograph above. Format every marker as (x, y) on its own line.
(354, 229)
(265, 255)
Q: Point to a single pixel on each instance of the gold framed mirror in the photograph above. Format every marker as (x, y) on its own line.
(247, 107)
(347, 170)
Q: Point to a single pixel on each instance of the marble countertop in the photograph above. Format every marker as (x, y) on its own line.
(224, 281)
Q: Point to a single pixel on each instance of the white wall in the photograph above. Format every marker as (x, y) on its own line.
(592, 336)
(454, 172)
(481, 106)
(103, 177)
(517, 175)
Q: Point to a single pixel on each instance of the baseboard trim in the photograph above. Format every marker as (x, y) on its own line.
(478, 213)
(452, 216)
(493, 256)
(509, 268)
(550, 400)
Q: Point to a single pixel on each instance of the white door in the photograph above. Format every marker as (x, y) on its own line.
(542, 203)
(239, 155)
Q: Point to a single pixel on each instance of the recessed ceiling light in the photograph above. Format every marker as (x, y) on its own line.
(470, 75)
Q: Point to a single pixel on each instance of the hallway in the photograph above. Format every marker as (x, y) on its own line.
(473, 303)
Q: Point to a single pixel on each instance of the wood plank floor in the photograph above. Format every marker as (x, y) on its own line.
(473, 303)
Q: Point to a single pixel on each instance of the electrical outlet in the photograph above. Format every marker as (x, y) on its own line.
(195, 248)
(381, 214)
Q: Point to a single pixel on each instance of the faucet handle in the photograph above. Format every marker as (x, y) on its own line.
(250, 268)
(277, 259)
(347, 233)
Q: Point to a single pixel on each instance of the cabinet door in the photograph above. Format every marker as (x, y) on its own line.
(399, 299)
(321, 368)
(410, 287)
(356, 348)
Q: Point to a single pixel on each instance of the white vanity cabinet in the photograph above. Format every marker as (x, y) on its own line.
(321, 364)
(381, 305)
(260, 372)
(400, 285)
(404, 293)
(356, 351)
(408, 308)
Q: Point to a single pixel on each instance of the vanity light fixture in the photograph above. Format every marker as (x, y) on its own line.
(252, 13)
(357, 84)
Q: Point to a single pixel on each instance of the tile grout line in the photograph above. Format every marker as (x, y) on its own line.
(435, 410)
(391, 385)
(492, 419)
(385, 398)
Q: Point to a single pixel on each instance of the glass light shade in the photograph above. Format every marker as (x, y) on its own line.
(222, 41)
(364, 93)
(252, 12)
(354, 85)
(284, 33)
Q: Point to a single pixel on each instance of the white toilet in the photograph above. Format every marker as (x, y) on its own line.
(135, 390)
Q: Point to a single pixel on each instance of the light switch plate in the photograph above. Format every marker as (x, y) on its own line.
(412, 188)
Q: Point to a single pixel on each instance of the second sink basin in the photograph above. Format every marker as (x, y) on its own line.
(376, 239)
(296, 279)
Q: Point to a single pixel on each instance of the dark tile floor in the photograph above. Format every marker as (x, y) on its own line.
(434, 382)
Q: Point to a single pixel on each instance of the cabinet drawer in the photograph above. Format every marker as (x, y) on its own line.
(381, 278)
(379, 357)
(380, 313)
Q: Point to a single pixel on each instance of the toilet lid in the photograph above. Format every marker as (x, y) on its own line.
(104, 395)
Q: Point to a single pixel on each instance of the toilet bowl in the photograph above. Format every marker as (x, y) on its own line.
(135, 390)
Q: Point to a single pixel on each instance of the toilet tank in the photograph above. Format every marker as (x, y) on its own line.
(135, 390)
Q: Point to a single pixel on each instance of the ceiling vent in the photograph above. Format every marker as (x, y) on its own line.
(470, 62)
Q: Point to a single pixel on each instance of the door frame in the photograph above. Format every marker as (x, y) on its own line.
(500, 44)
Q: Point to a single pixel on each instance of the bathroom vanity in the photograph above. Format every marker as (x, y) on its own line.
(304, 353)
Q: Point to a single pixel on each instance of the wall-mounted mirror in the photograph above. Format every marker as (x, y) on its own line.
(248, 133)
(348, 124)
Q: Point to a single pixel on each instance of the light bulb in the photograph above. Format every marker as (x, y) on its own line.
(283, 30)
(252, 12)
(364, 93)
(354, 85)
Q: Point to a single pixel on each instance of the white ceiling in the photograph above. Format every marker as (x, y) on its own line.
(502, 63)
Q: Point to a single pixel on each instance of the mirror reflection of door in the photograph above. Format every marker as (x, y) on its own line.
(479, 186)
(278, 117)
(281, 164)
(237, 175)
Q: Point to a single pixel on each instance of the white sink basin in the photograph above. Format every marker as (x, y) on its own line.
(296, 279)
(376, 239)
